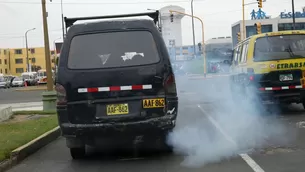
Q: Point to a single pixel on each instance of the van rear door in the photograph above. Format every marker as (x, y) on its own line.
(112, 72)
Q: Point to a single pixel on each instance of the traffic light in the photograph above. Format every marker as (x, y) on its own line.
(172, 17)
(260, 3)
(238, 37)
(258, 28)
(199, 46)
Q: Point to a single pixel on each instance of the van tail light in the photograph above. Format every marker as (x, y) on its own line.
(250, 72)
(61, 95)
(170, 84)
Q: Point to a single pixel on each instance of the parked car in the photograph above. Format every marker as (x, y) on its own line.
(18, 82)
(4, 83)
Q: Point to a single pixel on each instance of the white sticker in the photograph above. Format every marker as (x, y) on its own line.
(104, 58)
(130, 55)
(272, 65)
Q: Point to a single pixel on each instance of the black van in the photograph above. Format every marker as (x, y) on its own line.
(115, 83)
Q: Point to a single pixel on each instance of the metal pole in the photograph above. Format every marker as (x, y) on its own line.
(244, 24)
(194, 44)
(47, 47)
(293, 15)
(202, 45)
(62, 20)
(204, 57)
(27, 52)
(55, 55)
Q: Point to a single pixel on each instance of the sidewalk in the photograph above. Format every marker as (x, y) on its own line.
(24, 106)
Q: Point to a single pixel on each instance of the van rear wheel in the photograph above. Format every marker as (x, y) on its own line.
(78, 153)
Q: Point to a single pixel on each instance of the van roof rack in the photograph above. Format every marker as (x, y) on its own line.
(154, 15)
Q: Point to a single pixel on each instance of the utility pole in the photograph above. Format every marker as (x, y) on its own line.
(193, 28)
(293, 15)
(48, 97)
(47, 46)
(62, 20)
(244, 22)
(27, 50)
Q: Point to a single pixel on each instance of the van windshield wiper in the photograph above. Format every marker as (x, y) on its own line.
(292, 55)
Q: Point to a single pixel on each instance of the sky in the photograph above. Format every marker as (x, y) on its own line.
(18, 16)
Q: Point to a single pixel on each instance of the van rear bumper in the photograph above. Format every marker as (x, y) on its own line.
(288, 96)
(164, 123)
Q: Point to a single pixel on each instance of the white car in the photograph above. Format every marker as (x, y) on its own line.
(4, 83)
(18, 82)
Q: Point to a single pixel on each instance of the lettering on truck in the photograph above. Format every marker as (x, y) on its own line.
(290, 65)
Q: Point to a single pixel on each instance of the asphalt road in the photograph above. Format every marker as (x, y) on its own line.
(211, 135)
(12, 96)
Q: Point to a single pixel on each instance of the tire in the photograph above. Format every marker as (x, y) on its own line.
(78, 153)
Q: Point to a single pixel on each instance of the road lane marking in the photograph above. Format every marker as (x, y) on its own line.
(255, 167)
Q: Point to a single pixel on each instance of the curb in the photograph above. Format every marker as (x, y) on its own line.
(31, 89)
(24, 151)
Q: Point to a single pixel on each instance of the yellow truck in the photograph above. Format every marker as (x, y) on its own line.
(270, 67)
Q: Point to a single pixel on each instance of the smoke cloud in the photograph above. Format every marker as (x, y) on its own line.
(223, 124)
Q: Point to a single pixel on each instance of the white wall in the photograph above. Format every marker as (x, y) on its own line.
(171, 30)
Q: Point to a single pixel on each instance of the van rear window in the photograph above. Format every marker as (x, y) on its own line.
(279, 47)
(112, 49)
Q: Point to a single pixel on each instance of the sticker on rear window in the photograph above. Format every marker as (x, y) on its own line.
(104, 58)
(130, 55)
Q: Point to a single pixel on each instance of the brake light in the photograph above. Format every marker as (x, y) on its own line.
(61, 95)
(250, 72)
(251, 77)
(170, 84)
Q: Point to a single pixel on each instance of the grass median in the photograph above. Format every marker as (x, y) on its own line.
(16, 134)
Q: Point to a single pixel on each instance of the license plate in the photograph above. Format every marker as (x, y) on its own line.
(153, 103)
(286, 77)
(117, 109)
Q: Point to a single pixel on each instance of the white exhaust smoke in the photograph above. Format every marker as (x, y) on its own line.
(223, 129)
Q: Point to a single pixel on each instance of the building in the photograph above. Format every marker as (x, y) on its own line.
(171, 28)
(13, 61)
(268, 24)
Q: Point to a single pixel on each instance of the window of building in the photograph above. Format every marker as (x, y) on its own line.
(33, 60)
(19, 61)
(5, 71)
(289, 26)
(19, 70)
(4, 52)
(0, 70)
(32, 50)
(18, 51)
(52, 52)
(251, 30)
(5, 61)
(0, 61)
